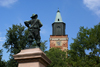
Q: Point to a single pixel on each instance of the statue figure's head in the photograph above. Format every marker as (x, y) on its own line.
(34, 16)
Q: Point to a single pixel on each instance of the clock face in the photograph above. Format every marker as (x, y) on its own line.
(58, 43)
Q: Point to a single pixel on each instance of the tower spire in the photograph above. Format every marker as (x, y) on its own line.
(58, 16)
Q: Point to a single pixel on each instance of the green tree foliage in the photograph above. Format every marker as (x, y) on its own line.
(43, 46)
(87, 39)
(58, 57)
(2, 63)
(11, 63)
(16, 40)
(0, 55)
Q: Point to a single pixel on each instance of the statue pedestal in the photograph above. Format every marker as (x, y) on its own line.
(33, 57)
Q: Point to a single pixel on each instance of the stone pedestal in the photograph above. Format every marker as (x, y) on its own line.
(33, 57)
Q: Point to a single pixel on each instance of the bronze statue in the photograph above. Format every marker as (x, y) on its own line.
(34, 26)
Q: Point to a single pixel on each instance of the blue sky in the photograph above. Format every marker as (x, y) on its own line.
(75, 13)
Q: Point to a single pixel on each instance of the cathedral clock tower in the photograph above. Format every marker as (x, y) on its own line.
(59, 39)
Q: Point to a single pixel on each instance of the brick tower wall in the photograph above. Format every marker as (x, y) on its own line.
(62, 39)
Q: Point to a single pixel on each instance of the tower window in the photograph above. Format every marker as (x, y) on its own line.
(58, 26)
(58, 19)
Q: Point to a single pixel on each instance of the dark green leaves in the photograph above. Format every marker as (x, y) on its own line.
(58, 57)
(87, 39)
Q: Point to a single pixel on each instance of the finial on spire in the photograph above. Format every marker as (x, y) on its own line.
(58, 10)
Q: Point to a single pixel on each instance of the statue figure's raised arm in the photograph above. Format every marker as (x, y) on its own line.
(27, 23)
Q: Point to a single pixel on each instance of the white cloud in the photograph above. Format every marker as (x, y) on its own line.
(93, 5)
(7, 3)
